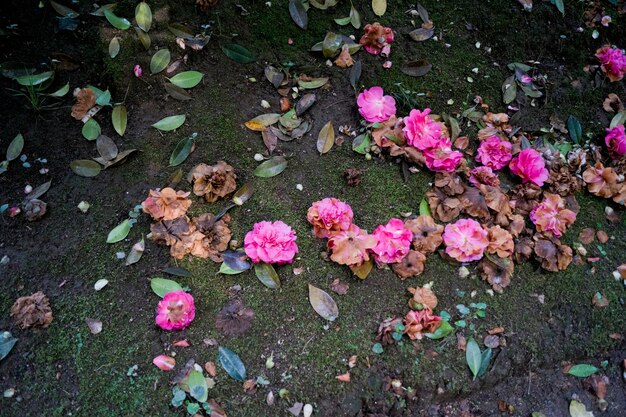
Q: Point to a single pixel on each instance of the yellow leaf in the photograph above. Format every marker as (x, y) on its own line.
(326, 138)
(379, 7)
(363, 270)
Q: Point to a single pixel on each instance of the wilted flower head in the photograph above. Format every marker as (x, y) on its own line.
(376, 37)
(166, 204)
(420, 130)
(271, 242)
(419, 322)
(394, 242)
(616, 140)
(374, 106)
(32, 311)
(423, 297)
(426, 233)
(465, 240)
(494, 153)
(329, 215)
(213, 181)
(613, 62)
(551, 216)
(600, 180)
(442, 158)
(137, 70)
(484, 175)
(351, 247)
(175, 311)
(411, 265)
(500, 242)
(530, 167)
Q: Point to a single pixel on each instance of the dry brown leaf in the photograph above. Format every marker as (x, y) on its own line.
(602, 236)
(210, 369)
(85, 100)
(587, 235)
(234, 319)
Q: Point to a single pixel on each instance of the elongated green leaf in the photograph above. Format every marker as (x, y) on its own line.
(361, 144)
(170, 123)
(232, 364)
(187, 79)
(473, 356)
(143, 16)
(15, 147)
(260, 122)
(560, 6)
(298, 13)
(379, 7)
(119, 232)
(485, 359)
(424, 209)
(314, 83)
(160, 60)
(618, 119)
(582, 370)
(181, 151)
(114, 47)
(198, 388)
(342, 21)
(238, 53)
(34, 79)
(144, 38)
(177, 92)
(85, 167)
(63, 10)
(323, 303)
(177, 270)
(575, 129)
(442, 331)
(117, 22)
(355, 18)
(38, 192)
(103, 99)
(7, 341)
(119, 119)
(509, 90)
(61, 91)
(355, 73)
(227, 270)
(91, 129)
(272, 167)
(162, 286)
(267, 275)
(180, 30)
(578, 409)
(106, 148)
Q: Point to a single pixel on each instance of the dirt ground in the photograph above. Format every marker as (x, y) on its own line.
(65, 370)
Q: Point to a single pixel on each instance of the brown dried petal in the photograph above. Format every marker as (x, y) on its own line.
(612, 103)
(426, 233)
(85, 100)
(498, 272)
(422, 297)
(385, 330)
(32, 311)
(411, 265)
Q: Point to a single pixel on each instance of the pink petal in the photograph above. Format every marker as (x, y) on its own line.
(164, 362)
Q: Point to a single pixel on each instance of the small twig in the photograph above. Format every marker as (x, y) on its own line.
(339, 101)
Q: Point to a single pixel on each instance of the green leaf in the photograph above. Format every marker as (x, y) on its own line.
(61, 91)
(161, 286)
(119, 232)
(180, 30)
(193, 408)
(355, 18)
(238, 53)
(355, 73)
(575, 129)
(578, 409)
(34, 79)
(377, 348)
(331, 44)
(144, 38)
(136, 252)
(442, 331)
(267, 275)
(104, 99)
(177, 270)
(63, 10)
(582, 370)
(143, 16)
(473, 356)
(509, 90)
(119, 117)
(114, 47)
(560, 6)
(326, 138)
(7, 341)
(198, 388)
(85, 167)
(485, 359)
(170, 123)
(232, 364)
(342, 21)
(314, 83)
(177, 92)
(379, 7)
(361, 144)
(424, 209)
(298, 13)
(323, 303)
(15, 147)
(187, 79)
(160, 60)
(91, 129)
(537, 414)
(618, 119)
(227, 270)
(117, 22)
(181, 151)
(272, 167)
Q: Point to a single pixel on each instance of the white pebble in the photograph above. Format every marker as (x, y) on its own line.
(28, 189)
(265, 104)
(617, 275)
(258, 157)
(299, 187)
(120, 255)
(463, 272)
(308, 410)
(84, 206)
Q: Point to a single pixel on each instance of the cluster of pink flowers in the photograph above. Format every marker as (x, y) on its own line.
(613, 62)
(465, 240)
(551, 216)
(374, 106)
(530, 167)
(494, 153)
(394, 242)
(175, 311)
(616, 141)
(271, 242)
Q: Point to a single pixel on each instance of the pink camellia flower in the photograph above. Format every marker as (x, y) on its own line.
(329, 215)
(465, 240)
(483, 175)
(530, 166)
(613, 62)
(526, 79)
(175, 311)
(376, 37)
(164, 362)
(419, 322)
(374, 106)
(551, 216)
(494, 153)
(394, 242)
(442, 158)
(420, 130)
(271, 242)
(351, 247)
(616, 140)
(137, 71)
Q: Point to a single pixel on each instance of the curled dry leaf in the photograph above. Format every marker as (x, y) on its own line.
(32, 311)
(95, 326)
(234, 319)
(166, 204)
(210, 369)
(602, 236)
(612, 104)
(181, 343)
(587, 235)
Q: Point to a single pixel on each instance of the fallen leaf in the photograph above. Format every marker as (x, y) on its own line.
(136, 252)
(602, 236)
(461, 342)
(326, 138)
(343, 377)
(578, 409)
(181, 343)
(210, 369)
(496, 330)
(323, 304)
(234, 319)
(599, 300)
(379, 7)
(492, 341)
(95, 326)
(296, 409)
(352, 361)
(417, 68)
(100, 284)
(587, 235)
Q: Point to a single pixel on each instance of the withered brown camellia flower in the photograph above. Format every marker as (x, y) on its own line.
(554, 255)
(474, 204)
(426, 233)
(500, 242)
(216, 236)
(450, 183)
(524, 197)
(179, 234)
(32, 311)
(563, 182)
(213, 181)
(422, 297)
(516, 225)
(523, 249)
(497, 272)
(411, 265)
(386, 329)
(600, 180)
(234, 319)
(389, 134)
(166, 204)
(344, 60)
(34, 209)
(498, 202)
(442, 207)
(85, 100)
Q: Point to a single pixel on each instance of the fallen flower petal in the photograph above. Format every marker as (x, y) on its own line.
(343, 377)
(164, 362)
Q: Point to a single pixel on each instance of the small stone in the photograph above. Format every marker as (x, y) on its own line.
(5, 260)
(490, 292)
(9, 393)
(120, 255)
(252, 79)
(450, 102)
(299, 187)
(265, 104)
(617, 275)
(477, 45)
(463, 272)
(84, 206)
(581, 251)
(475, 70)
(258, 157)
(308, 410)
(28, 189)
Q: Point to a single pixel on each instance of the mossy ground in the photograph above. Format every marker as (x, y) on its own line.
(65, 370)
